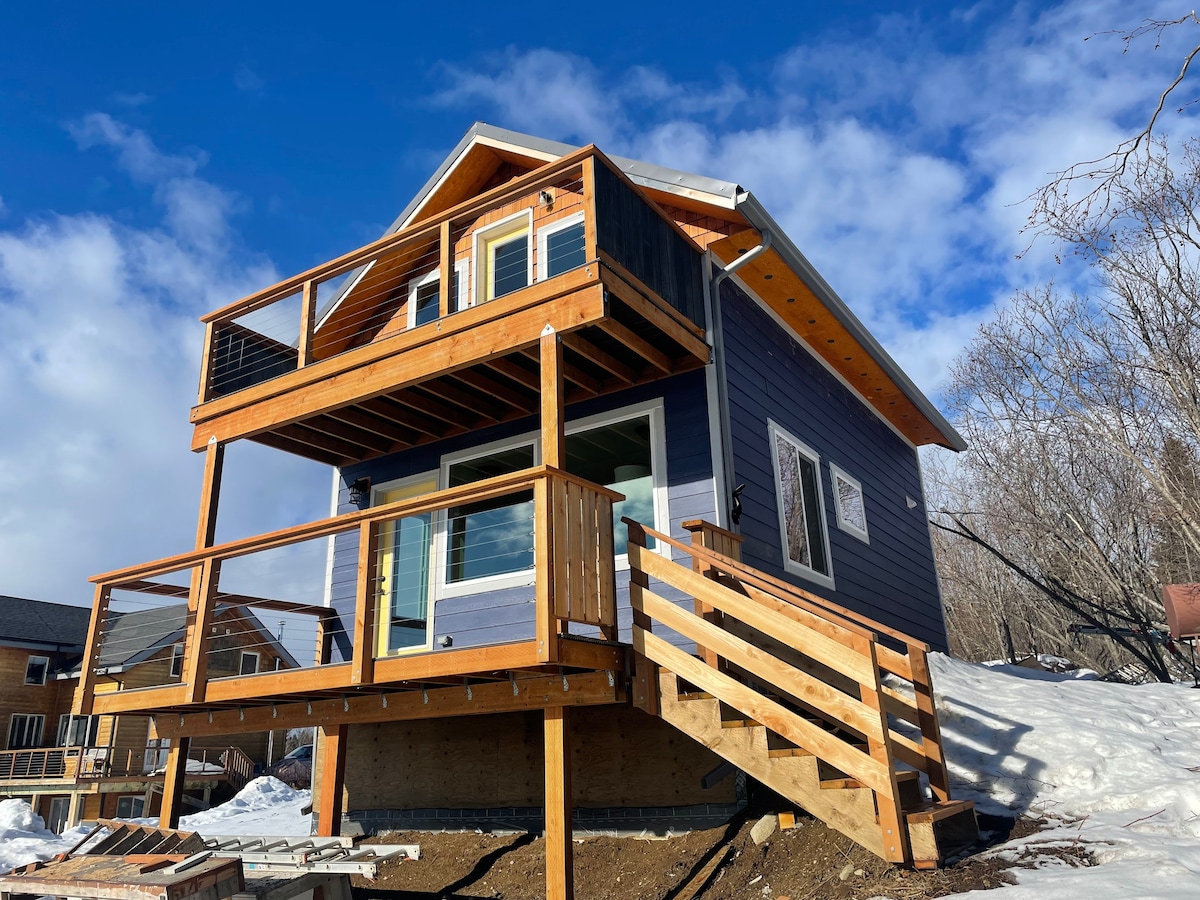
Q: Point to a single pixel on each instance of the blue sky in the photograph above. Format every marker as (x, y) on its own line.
(155, 164)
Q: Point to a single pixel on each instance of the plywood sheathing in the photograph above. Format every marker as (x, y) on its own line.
(792, 300)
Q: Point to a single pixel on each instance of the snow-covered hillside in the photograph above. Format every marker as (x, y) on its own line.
(1117, 767)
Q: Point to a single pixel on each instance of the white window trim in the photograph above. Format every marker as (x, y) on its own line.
(480, 240)
(443, 589)
(546, 231)
(176, 654)
(456, 303)
(378, 491)
(45, 669)
(836, 472)
(257, 662)
(789, 564)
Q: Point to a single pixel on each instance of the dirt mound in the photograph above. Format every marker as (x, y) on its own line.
(808, 861)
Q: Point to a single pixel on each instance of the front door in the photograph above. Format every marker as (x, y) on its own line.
(403, 614)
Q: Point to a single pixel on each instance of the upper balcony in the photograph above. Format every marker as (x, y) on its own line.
(433, 330)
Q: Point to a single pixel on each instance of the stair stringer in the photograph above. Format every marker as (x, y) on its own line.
(850, 811)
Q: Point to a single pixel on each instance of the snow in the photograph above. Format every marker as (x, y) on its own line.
(1116, 767)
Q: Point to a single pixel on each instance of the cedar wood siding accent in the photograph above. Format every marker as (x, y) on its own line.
(508, 614)
(770, 375)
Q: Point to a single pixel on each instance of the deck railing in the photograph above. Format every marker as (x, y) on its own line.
(94, 763)
(559, 543)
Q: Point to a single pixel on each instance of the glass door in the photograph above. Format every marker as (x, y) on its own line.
(404, 571)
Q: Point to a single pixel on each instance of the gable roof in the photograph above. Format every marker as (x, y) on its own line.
(47, 624)
(134, 637)
(464, 172)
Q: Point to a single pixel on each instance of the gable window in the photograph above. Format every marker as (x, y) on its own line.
(25, 731)
(248, 664)
(425, 295)
(503, 263)
(36, 668)
(177, 661)
(561, 247)
(849, 504)
(804, 539)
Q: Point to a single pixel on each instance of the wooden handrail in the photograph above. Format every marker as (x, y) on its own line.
(424, 230)
(478, 490)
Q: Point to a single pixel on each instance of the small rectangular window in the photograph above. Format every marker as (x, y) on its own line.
(25, 731)
(249, 664)
(502, 258)
(561, 247)
(177, 661)
(130, 806)
(849, 504)
(801, 507)
(426, 300)
(36, 669)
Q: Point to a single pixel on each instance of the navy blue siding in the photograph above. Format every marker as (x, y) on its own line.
(771, 376)
(508, 615)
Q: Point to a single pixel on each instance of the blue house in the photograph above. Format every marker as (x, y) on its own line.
(601, 441)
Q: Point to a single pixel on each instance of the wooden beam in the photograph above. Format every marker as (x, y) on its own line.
(601, 358)
(210, 494)
(446, 269)
(637, 344)
(173, 780)
(454, 401)
(201, 601)
(278, 442)
(560, 864)
(412, 410)
(329, 777)
(492, 388)
(573, 374)
(511, 370)
(85, 694)
(307, 433)
(308, 322)
(543, 591)
(667, 322)
(206, 361)
(553, 419)
(533, 690)
(387, 428)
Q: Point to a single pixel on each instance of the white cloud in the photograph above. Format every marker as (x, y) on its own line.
(99, 356)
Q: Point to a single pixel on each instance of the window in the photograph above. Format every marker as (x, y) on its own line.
(248, 664)
(404, 568)
(25, 731)
(561, 247)
(36, 669)
(801, 507)
(849, 504)
(130, 806)
(425, 295)
(77, 731)
(503, 261)
(177, 661)
(491, 537)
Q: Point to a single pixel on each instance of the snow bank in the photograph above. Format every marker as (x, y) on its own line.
(24, 837)
(1116, 763)
(266, 806)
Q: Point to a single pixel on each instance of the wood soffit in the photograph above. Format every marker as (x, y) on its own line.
(792, 300)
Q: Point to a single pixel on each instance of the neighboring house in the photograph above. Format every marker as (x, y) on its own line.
(601, 438)
(87, 767)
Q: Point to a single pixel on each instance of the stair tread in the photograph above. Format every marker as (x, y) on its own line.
(936, 810)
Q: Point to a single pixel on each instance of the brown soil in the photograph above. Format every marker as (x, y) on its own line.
(808, 861)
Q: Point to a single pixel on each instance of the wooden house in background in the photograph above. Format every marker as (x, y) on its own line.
(73, 767)
(622, 490)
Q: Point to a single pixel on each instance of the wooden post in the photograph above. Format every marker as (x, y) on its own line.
(719, 540)
(329, 775)
(362, 666)
(446, 297)
(553, 439)
(201, 601)
(890, 815)
(588, 174)
(172, 798)
(545, 632)
(931, 734)
(560, 864)
(87, 673)
(206, 361)
(308, 322)
(210, 494)
(645, 672)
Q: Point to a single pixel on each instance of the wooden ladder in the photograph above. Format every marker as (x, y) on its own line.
(790, 688)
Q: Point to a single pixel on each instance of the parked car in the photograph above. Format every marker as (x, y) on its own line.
(295, 769)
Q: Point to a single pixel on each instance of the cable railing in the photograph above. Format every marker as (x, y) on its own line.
(373, 597)
(94, 763)
(507, 239)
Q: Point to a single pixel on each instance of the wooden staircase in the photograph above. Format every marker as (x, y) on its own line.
(790, 688)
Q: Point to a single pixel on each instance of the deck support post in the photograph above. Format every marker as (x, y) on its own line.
(552, 399)
(329, 776)
(560, 863)
(172, 798)
(210, 494)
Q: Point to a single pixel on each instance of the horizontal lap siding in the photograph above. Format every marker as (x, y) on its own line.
(771, 376)
(508, 615)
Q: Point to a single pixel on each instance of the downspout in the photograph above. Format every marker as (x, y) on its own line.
(718, 330)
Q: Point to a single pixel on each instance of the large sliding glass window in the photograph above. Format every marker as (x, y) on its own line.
(491, 537)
